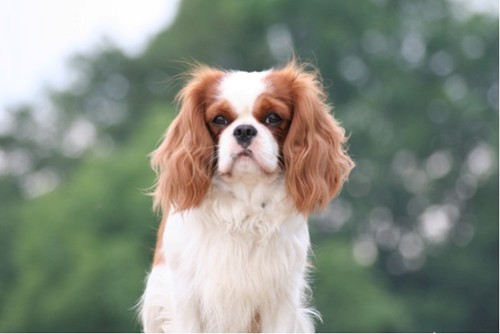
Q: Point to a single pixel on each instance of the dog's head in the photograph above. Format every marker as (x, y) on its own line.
(252, 127)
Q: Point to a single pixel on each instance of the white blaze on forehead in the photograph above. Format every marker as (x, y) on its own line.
(241, 89)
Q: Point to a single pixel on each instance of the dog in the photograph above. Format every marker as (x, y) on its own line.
(248, 157)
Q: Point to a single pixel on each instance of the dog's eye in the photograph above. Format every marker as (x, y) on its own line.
(273, 119)
(220, 120)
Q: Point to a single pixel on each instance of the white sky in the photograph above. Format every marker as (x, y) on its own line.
(37, 37)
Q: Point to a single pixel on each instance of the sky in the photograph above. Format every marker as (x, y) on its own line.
(38, 37)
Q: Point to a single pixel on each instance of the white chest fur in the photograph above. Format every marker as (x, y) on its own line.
(240, 255)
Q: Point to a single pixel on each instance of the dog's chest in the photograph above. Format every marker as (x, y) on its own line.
(238, 253)
(247, 250)
(233, 267)
(239, 274)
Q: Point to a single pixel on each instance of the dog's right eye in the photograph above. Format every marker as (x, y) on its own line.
(220, 121)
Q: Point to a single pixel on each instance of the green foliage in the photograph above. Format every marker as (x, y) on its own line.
(410, 245)
(84, 247)
(353, 291)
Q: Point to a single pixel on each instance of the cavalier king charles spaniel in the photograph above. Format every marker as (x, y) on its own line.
(249, 156)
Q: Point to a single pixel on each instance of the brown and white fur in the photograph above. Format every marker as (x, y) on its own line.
(249, 156)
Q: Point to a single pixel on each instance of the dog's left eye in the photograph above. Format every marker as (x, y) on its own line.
(220, 121)
(273, 119)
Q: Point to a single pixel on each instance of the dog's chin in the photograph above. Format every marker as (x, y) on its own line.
(246, 166)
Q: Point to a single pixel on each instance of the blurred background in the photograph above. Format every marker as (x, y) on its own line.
(411, 245)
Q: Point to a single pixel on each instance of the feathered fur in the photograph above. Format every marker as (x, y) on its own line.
(249, 156)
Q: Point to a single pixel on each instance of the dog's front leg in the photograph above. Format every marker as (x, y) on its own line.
(288, 319)
(186, 314)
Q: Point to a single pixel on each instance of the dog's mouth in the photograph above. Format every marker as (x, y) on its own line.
(243, 153)
(247, 163)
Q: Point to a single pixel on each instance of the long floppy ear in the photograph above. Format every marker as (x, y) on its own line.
(184, 160)
(316, 162)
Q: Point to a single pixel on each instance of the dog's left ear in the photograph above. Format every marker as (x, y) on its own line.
(184, 160)
(316, 162)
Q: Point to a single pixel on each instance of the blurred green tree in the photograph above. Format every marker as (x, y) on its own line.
(81, 251)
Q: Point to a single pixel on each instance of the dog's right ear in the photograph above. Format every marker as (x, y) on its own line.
(184, 161)
(316, 161)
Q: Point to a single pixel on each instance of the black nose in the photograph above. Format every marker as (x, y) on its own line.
(244, 134)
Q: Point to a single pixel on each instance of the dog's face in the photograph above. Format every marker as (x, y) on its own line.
(242, 126)
(248, 124)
